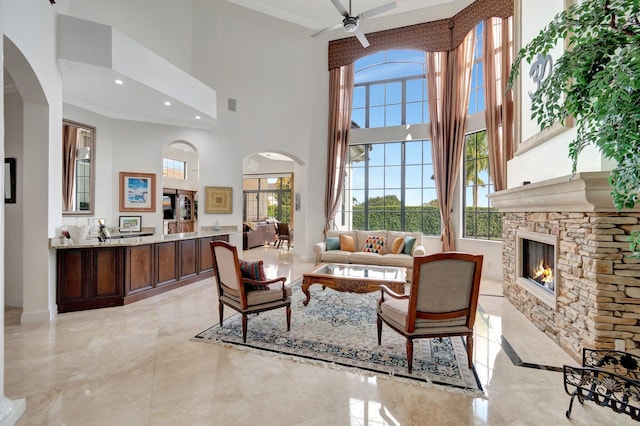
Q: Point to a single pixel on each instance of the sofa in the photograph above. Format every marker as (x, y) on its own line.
(367, 256)
(255, 234)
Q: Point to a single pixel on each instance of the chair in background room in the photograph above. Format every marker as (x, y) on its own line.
(284, 235)
(243, 287)
(442, 300)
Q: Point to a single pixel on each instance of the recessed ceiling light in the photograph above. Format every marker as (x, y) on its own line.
(198, 117)
(167, 103)
(118, 81)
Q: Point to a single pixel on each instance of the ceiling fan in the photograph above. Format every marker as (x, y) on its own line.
(350, 23)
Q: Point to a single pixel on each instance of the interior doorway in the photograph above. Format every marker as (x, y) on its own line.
(180, 182)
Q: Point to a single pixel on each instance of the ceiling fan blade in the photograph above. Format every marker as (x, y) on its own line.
(331, 28)
(340, 7)
(363, 40)
(377, 10)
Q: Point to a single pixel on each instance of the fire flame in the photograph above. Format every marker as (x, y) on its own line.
(543, 273)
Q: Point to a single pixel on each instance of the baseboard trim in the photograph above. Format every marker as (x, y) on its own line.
(34, 317)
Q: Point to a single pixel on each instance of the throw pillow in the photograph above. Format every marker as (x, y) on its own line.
(397, 245)
(373, 244)
(333, 243)
(253, 271)
(408, 244)
(347, 243)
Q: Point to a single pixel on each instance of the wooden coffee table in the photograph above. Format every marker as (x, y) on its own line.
(354, 278)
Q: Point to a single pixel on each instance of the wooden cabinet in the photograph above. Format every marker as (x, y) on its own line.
(89, 278)
(184, 218)
(167, 263)
(139, 274)
(205, 263)
(99, 277)
(188, 265)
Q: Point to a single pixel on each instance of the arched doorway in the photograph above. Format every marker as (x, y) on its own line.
(270, 189)
(27, 282)
(180, 182)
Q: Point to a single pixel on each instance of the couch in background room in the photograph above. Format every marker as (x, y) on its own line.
(255, 234)
(367, 250)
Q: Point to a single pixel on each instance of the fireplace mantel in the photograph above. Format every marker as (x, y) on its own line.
(596, 279)
(583, 192)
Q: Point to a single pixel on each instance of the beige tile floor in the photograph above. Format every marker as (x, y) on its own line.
(135, 365)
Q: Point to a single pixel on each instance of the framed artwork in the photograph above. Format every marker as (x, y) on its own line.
(9, 180)
(137, 192)
(218, 199)
(130, 224)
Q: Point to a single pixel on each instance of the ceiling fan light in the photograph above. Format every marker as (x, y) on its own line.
(350, 24)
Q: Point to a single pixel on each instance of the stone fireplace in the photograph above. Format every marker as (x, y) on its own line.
(536, 257)
(589, 295)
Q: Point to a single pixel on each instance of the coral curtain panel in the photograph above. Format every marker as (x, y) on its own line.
(498, 57)
(448, 83)
(69, 147)
(340, 100)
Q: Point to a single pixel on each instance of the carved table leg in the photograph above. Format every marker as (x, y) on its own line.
(306, 283)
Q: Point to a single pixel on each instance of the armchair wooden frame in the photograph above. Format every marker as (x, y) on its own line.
(284, 234)
(233, 291)
(465, 269)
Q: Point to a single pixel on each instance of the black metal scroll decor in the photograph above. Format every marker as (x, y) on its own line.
(608, 378)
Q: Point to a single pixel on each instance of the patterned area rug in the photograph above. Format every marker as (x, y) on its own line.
(339, 330)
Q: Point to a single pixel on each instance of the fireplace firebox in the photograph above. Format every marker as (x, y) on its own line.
(538, 263)
(536, 259)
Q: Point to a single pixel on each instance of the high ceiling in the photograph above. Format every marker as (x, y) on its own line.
(92, 87)
(319, 14)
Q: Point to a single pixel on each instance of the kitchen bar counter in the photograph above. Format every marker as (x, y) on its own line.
(133, 239)
(96, 274)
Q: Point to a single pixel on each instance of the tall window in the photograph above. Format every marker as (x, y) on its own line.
(390, 89)
(390, 186)
(390, 183)
(267, 197)
(476, 94)
(480, 219)
(175, 169)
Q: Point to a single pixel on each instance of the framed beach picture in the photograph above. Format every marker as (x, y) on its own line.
(218, 199)
(130, 224)
(137, 192)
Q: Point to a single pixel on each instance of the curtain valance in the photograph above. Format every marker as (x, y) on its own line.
(435, 36)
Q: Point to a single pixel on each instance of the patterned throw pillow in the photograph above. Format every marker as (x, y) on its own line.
(347, 243)
(397, 245)
(253, 271)
(374, 244)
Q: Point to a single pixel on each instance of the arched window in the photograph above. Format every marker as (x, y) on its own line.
(389, 183)
(390, 89)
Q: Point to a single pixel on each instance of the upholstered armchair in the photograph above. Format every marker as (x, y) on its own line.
(442, 300)
(242, 293)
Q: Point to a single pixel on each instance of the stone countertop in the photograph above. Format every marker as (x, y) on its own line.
(64, 243)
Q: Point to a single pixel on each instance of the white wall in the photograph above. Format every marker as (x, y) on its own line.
(549, 159)
(13, 124)
(30, 58)
(278, 75)
(164, 26)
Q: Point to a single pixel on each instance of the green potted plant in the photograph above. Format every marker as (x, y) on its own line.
(596, 81)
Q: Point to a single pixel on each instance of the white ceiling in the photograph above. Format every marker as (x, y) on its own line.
(92, 88)
(319, 14)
